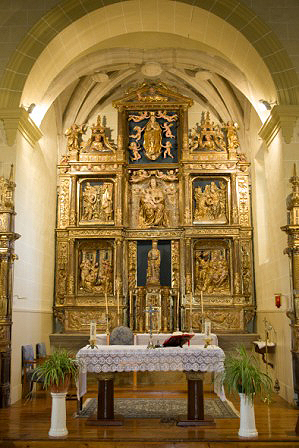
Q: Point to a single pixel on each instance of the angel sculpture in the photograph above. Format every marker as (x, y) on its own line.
(135, 148)
(141, 116)
(167, 130)
(167, 152)
(138, 131)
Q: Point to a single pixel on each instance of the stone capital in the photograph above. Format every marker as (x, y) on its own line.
(282, 117)
(19, 120)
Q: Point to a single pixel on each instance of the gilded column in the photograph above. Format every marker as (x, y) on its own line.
(187, 214)
(292, 230)
(234, 196)
(7, 257)
(119, 266)
(118, 204)
(188, 272)
(236, 266)
(73, 201)
(71, 276)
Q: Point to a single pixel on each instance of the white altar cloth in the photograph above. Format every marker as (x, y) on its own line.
(128, 358)
(143, 338)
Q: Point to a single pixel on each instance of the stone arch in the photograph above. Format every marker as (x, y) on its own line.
(244, 32)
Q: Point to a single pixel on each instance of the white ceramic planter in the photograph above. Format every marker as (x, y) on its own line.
(58, 416)
(247, 418)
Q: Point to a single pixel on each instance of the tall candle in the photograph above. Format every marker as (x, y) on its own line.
(191, 299)
(93, 330)
(201, 300)
(178, 308)
(117, 303)
(106, 298)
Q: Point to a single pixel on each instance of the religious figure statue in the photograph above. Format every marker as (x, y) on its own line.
(152, 206)
(152, 138)
(90, 198)
(208, 137)
(211, 271)
(106, 276)
(84, 271)
(232, 136)
(107, 201)
(98, 140)
(210, 202)
(74, 136)
(153, 266)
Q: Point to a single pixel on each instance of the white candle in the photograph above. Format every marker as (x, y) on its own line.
(106, 299)
(207, 327)
(178, 307)
(93, 330)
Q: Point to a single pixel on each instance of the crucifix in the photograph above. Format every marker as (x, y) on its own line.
(151, 311)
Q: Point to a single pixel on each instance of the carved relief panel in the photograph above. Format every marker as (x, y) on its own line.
(95, 267)
(154, 200)
(212, 266)
(211, 200)
(96, 201)
(153, 136)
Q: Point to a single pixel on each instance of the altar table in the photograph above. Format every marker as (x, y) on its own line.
(143, 338)
(105, 360)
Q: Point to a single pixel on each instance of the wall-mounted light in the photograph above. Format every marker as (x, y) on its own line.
(265, 105)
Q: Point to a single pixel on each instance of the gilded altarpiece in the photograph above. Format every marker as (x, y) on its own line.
(157, 220)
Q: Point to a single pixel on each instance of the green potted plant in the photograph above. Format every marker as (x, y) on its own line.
(243, 375)
(56, 372)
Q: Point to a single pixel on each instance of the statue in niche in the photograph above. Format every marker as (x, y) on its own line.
(211, 271)
(152, 138)
(153, 266)
(90, 197)
(210, 202)
(98, 141)
(152, 206)
(106, 201)
(74, 136)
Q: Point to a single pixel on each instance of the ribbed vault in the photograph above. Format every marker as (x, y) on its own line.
(184, 18)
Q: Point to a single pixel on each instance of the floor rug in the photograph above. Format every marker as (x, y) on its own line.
(167, 409)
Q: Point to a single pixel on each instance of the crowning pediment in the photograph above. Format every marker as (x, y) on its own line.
(152, 95)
